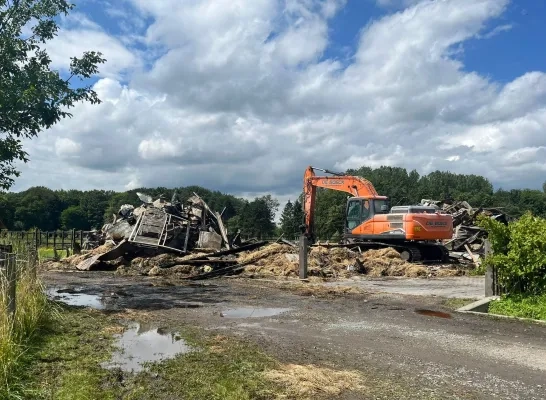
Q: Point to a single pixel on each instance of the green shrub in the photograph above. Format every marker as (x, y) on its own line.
(519, 253)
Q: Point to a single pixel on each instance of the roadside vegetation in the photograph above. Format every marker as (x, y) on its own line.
(521, 306)
(455, 303)
(74, 347)
(519, 256)
(20, 332)
(48, 253)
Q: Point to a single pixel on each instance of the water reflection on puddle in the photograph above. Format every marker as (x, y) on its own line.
(73, 298)
(251, 312)
(141, 344)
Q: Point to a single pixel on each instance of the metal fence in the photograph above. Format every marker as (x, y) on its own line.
(52, 239)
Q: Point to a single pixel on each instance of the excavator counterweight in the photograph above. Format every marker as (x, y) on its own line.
(415, 231)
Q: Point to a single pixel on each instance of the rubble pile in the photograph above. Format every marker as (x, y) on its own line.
(189, 241)
(158, 234)
(171, 226)
(468, 239)
(279, 260)
(282, 260)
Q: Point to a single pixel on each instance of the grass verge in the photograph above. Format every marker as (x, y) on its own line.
(48, 253)
(455, 303)
(18, 333)
(73, 349)
(520, 306)
(66, 364)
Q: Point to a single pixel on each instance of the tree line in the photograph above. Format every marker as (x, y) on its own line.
(47, 210)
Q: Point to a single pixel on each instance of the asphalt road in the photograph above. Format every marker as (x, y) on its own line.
(403, 352)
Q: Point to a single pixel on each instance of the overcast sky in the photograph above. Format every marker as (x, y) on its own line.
(241, 95)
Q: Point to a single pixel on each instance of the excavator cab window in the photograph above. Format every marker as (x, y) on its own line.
(381, 206)
(358, 211)
(354, 211)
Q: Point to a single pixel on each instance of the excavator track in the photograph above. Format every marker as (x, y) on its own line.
(411, 252)
(434, 253)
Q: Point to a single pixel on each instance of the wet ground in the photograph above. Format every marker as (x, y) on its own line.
(411, 340)
(142, 344)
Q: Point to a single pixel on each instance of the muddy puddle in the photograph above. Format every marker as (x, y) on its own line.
(73, 297)
(141, 344)
(431, 313)
(251, 312)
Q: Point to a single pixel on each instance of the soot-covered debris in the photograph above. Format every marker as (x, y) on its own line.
(468, 241)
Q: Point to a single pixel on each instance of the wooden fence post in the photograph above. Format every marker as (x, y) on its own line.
(9, 264)
(55, 245)
(303, 257)
(491, 278)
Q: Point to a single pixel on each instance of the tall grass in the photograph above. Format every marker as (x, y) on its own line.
(17, 332)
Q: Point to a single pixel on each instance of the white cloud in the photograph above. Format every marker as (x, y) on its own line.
(66, 147)
(80, 34)
(496, 30)
(242, 100)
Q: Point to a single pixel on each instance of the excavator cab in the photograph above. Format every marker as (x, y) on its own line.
(361, 209)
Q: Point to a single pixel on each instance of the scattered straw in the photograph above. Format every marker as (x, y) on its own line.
(325, 291)
(309, 381)
(114, 330)
(135, 315)
(446, 272)
(265, 252)
(281, 261)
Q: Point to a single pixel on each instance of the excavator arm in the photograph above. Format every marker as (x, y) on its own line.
(353, 185)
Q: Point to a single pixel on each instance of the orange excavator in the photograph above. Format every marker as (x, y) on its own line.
(414, 231)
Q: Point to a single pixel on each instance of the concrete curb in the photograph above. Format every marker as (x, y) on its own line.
(481, 308)
(481, 305)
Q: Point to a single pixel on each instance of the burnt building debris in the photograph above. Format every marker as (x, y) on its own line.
(187, 233)
(170, 226)
(468, 241)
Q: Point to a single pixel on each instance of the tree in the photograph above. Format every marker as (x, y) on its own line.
(7, 210)
(291, 219)
(40, 208)
(119, 199)
(32, 96)
(70, 197)
(298, 215)
(73, 217)
(256, 217)
(94, 203)
(287, 219)
(271, 203)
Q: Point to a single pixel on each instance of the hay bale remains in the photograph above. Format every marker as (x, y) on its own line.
(310, 381)
(281, 261)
